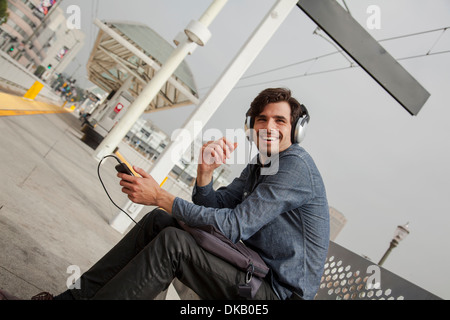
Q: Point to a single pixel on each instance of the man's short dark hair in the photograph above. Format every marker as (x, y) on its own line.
(273, 95)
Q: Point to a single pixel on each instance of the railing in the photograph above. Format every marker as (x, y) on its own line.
(348, 276)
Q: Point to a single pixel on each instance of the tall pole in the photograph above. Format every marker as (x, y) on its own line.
(392, 245)
(400, 233)
(138, 107)
(180, 143)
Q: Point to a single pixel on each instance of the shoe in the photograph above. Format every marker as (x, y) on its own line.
(7, 296)
(43, 296)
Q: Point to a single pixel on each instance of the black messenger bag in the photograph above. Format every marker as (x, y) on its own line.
(237, 254)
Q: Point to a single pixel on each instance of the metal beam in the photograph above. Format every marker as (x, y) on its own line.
(141, 55)
(367, 52)
(173, 106)
(123, 64)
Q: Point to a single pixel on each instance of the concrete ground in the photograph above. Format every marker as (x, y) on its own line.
(54, 213)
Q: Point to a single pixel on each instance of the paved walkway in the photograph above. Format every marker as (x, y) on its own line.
(54, 214)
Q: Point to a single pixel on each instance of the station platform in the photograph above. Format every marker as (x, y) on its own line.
(54, 213)
(12, 105)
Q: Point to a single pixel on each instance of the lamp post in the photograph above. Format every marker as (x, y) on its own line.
(400, 233)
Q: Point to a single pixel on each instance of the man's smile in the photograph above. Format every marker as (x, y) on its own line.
(269, 138)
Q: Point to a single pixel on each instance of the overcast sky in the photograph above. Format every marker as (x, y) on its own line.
(381, 166)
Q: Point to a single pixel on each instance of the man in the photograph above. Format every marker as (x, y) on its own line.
(282, 215)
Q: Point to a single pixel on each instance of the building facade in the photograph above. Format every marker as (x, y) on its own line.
(37, 35)
(337, 223)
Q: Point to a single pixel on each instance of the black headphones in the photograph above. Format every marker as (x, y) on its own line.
(298, 131)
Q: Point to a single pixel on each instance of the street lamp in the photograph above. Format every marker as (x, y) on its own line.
(400, 233)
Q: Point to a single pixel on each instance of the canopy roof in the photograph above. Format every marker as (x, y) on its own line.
(125, 49)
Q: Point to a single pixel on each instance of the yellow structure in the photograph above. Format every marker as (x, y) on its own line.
(11, 105)
(34, 91)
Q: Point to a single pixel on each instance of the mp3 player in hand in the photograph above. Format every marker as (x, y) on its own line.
(123, 168)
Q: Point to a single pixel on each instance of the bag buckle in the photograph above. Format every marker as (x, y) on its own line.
(249, 275)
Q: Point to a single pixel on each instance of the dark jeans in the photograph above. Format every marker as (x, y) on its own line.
(147, 259)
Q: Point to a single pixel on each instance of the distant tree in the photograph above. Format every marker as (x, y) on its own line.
(3, 11)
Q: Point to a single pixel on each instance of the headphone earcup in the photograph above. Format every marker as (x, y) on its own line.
(249, 128)
(299, 130)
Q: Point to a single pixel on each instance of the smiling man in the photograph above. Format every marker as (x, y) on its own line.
(283, 216)
(273, 128)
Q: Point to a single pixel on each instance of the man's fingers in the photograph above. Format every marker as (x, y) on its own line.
(126, 177)
(218, 151)
(229, 147)
(212, 154)
(142, 172)
(225, 150)
(230, 144)
(208, 143)
(127, 185)
(220, 154)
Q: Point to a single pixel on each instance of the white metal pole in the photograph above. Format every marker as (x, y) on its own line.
(210, 14)
(138, 107)
(213, 100)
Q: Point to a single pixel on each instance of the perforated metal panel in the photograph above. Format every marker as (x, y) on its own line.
(348, 276)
